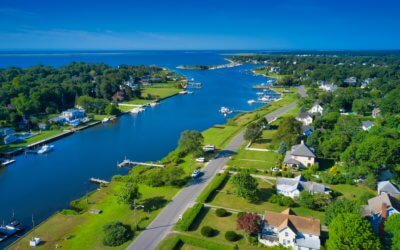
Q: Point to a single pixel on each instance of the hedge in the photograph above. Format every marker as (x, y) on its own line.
(173, 243)
(215, 183)
(188, 217)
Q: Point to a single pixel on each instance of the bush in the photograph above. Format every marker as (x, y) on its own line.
(208, 231)
(231, 236)
(116, 233)
(220, 212)
(252, 239)
(215, 183)
(188, 217)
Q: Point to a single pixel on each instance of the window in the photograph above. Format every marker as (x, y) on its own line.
(286, 234)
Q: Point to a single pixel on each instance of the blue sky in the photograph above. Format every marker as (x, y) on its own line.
(204, 24)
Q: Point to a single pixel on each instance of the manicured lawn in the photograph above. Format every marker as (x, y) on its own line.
(41, 136)
(137, 102)
(352, 192)
(85, 231)
(161, 92)
(266, 140)
(253, 159)
(220, 136)
(227, 198)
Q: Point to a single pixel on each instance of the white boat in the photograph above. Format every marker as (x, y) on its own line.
(153, 104)
(45, 149)
(225, 110)
(264, 99)
(34, 242)
(105, 120)
(183, 92)
(135, 111)
(190, 92)
(251, 101)
(6, 162)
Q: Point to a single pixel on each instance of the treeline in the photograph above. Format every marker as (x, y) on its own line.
(48, 90)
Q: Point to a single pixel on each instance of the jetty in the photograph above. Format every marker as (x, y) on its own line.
(129, 163)
(99, 181)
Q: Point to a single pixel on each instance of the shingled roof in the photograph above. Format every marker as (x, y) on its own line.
(288, 219)
(302, 150)
(375, 204)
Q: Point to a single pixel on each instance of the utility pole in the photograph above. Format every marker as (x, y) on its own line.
(134, 212)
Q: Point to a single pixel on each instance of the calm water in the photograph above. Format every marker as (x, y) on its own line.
(43, 185)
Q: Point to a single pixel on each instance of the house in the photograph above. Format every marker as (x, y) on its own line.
(43, 126)
(289, 230)
(351, 81)
(300, 156)
(379, 209)
(330, 87)
(366, 82)
(316, 109)
(376, 112)
(8, 139)
(6, 131)
(305, 118)
(367, 125)
(387, 187)
(307, 130)
(73, 114)
(291, 187)
(274, 69)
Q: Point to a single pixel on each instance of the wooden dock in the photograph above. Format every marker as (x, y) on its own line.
(129, 163)
(99, 181)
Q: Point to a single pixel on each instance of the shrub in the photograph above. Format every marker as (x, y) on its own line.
(215, 183)
(252, 239)
(207, 231)
(231, 236)
(240, 214)
(220, 212)
(188, 217)
(116, 233)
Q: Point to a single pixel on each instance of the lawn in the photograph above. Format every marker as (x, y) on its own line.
(160, 92)
(266, 72)
(41, 136)
(266, 140)
(227, 198)
(253, 159)
(352, 192)
(85, 231)
(220, 136)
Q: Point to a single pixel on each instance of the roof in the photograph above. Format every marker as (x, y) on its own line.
(306, 128)
(310, 243)
(296, 223)
(302, 150)
(304, 115)
(291, 184)
(367, 124)
(388, 187)
(375, 204)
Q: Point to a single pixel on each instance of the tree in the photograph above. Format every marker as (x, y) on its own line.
(289, 131)
(191, 142)
(129, 193)
(116, 233)
(249, 222)
(282, 148)
(351, 231)
(306, 199)
(246, 186)
(339, 206)
(392, 228)
(112, 109)
(252, 132)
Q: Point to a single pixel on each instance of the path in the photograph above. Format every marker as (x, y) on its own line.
(165, 220)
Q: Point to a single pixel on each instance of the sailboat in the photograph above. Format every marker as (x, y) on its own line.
(35, 241)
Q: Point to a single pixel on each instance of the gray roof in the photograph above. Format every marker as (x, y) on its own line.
(309, 242)
(388, 187)
(301, 184)
(375, 204)
(367, 124)
(302, 150)
(304, 115)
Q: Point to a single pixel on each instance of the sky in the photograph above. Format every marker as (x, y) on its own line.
(199, 25)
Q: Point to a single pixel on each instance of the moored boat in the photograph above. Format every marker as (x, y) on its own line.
(45, 149)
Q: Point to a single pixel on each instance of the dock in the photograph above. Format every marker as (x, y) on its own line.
(129, 163)
(99, 181)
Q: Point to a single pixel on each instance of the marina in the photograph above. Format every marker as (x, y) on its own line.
(129, 163)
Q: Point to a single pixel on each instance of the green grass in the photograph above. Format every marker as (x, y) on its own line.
(138, 101)
(253, 159)
(160, 92)
(192, 242)
(85, 231)
(266, 72)
(41, 136)
(352, 192)
(266, 140)
(227, 198)
(220, 135)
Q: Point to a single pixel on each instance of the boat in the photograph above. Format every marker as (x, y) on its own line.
(6, 162)
(225, 110)
(260, 93)
(10, 229)
(183, 92)
(190, 92)
(264, 98)
(251, 101)
(45, 149)
(153, 104)
(105, 120)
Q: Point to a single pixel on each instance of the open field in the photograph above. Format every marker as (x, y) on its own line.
(253, 159)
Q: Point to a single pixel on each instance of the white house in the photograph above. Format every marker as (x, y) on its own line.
(73, 114)
(379, 209)
(291, 187)
(305, 118)
(330, 87)
(274, 69)
(316, 109)
(289, 230)
(376, 112)
(300, 156)
(387, 187)
(351, 80)
(367, 125)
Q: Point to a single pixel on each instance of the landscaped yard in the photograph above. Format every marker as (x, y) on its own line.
(266, 140)
(219, 136)
(352, 192)
(253, 159)
(227, 198)
(160, 92)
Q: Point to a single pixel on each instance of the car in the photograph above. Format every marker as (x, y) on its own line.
(275, 169)
(200, 159)
(196, 173)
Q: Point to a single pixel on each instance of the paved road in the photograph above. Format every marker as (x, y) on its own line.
(165, 220)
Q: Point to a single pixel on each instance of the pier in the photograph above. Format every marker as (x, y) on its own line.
(99, 181)
(129, 163)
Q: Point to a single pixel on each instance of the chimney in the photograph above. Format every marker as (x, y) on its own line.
(381, 227)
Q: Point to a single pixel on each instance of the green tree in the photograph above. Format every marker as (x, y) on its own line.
(129, 193)
(282, 148)
(351, 231)
(246, 186)
(116, 233)
(339, 206)
(392, 228)
(112, 109)
(191, 142)
(289, 131)
(252, 132)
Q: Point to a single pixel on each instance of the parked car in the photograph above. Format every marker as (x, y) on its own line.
(196, 173)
